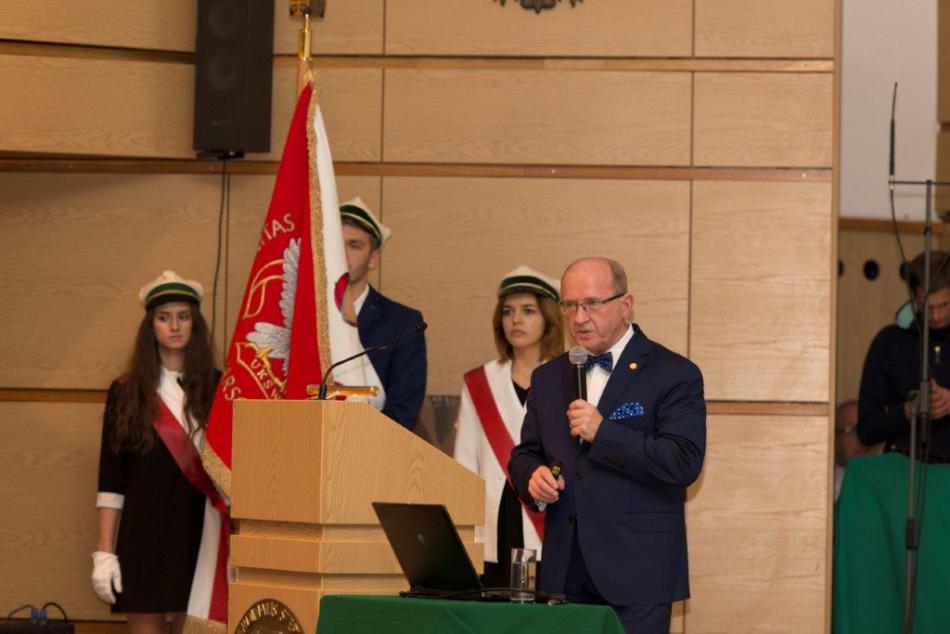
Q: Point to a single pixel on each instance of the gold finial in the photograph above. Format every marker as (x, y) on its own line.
(305, 8)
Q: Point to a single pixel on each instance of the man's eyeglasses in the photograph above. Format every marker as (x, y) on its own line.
(590, 306)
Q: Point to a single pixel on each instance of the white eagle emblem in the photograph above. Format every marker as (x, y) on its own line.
(272, 337)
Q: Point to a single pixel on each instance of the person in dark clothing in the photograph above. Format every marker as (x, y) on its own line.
(148, 565)
(890, 379)
(398, 370)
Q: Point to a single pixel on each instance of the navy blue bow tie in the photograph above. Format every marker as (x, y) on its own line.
(606, 361)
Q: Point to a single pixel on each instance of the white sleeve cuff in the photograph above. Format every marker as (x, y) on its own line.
(107, 500)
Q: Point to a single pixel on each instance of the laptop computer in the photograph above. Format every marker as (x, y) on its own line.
(429, 550)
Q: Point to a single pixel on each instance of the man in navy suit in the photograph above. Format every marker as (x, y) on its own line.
(398, 370)
(615, 531)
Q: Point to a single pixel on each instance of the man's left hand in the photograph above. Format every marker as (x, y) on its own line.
(584, 419)
(940, 400)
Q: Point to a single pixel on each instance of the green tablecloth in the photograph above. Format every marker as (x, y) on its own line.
(373, 614)
(869, 552)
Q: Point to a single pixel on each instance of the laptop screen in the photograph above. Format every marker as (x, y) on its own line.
(428, 547)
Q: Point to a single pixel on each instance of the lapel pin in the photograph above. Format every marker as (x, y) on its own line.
(633, 366)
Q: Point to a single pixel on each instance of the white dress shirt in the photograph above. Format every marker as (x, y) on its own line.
(597, 377)
(360, 371)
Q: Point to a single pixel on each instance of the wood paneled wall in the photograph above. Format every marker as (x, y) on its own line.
(942, 203)
(745, 238)
(496, 116)
(636, 28)
(760, 475)
(692, 141)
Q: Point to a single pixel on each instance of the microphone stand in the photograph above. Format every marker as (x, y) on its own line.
(922, 410)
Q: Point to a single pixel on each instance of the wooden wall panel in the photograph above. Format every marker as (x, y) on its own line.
(865, 306)
(146, 109)
(100, 107)
(572, 117)
(763, 119)
(49, 457)
(942, 196)
(765, 28)
(352, 27)
(351, 102)
(76, 249)
(146, 24)
(454, 238)
(642, 28)
(943, 62)
(760, 290)
(757, 521)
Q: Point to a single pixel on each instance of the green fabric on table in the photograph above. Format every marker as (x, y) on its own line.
(394, 615)
(870, 555)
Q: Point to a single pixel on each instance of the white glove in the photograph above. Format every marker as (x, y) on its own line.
(106, 575)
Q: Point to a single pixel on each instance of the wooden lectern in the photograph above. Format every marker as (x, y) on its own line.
(304, 474)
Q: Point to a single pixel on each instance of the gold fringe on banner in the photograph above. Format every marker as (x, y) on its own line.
(216, 468)
(316, 232)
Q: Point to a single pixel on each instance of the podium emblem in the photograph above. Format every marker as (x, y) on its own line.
(268, 616)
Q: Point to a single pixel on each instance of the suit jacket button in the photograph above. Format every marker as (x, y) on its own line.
(578, 476)
(571, 518)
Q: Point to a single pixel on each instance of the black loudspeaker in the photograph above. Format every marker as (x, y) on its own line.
(234, 65)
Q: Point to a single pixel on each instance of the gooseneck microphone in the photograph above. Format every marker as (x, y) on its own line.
(578, 357)
(420, 327)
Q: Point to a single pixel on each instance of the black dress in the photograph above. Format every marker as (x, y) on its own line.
(161, 522)
(510, 529)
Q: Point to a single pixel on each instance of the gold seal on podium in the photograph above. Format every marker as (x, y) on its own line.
(268, 616)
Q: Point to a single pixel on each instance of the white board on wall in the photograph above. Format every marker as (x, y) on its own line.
(884, 41)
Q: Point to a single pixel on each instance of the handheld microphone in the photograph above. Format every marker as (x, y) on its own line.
(890, 180)
(578, 357)
(420, 327)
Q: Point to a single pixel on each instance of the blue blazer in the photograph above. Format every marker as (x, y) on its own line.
(625, 492)
(402, 367)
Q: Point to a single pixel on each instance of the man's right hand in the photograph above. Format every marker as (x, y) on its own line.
(543, 487)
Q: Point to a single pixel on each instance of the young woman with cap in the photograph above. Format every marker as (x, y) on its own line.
(528, 332)
(153, 427)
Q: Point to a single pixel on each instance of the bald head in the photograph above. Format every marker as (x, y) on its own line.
(596, 265)
(596, 302)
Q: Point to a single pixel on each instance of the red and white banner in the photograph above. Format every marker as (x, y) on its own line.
(289, 326)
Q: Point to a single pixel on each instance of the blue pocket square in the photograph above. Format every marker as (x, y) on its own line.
(628, 410)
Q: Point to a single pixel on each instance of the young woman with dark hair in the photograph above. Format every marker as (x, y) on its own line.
(153, 428)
